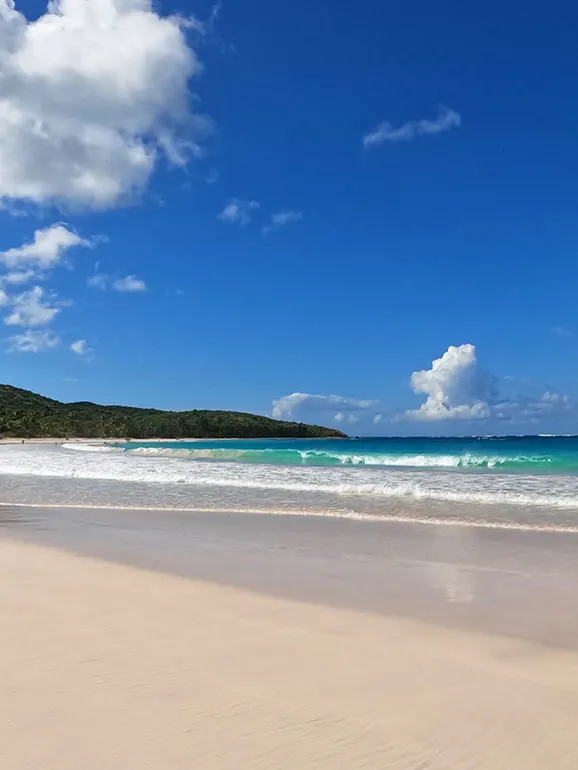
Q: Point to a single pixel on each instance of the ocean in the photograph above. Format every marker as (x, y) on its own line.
(528, 482)
(514, 454)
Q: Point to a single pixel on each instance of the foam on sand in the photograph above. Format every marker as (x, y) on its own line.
(86, 447)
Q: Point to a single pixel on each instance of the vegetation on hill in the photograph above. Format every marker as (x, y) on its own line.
(28, 415)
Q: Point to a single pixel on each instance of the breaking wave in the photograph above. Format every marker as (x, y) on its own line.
(106, 448)
(174, 469)
(325, 458)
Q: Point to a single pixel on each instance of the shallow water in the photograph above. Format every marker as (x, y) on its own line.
(91, 475)
(483, 548)
(513, 454)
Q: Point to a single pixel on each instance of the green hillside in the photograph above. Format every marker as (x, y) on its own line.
(28, 415)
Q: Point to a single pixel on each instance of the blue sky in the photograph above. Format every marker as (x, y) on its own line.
(294, 198)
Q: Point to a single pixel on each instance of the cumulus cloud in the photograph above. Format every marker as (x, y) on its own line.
(31, 309)
(129, 284)
(35, 307)
(45, 251)
(456, 387)
(282, 219)
(343, 417)
(17, 277)
(34, 341)
(92, 94)
(446, 120)
(238, 212)
(460, 396)
(303, 406)
(81, 348)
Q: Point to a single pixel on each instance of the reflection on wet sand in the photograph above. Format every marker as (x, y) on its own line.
(462, 576)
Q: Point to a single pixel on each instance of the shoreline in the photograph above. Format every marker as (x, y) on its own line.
(40, 471)
(499, 526)
(124, 440)
(464, 577)
(95, 441)
(172, 670)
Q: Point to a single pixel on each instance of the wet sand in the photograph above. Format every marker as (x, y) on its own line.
(178, 640)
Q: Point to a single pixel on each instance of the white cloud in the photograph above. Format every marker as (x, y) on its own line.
(92, 93)
(458, 389)
(460, 397)
(129, 284)
(343, 417)
(30, 309)
(34, 341)
(46, 250)
(455, 386)
(98, 281)
(282, 219)
(534, 409)
(18, 277)
(304, 406)
(446, 120)
(238, 212)
(80, 348)
(35, 307)
(32, 261)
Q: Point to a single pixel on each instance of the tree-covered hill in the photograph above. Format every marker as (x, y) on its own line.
(28, 415)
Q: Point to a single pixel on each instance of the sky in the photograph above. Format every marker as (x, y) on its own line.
(356, 214)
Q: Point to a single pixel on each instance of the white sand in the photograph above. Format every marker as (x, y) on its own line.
(62, 440)
(116, 440)
(53, 440)
(59, 440)
(104, 667)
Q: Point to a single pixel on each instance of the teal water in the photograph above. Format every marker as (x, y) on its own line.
(526, 481)
(513, 454)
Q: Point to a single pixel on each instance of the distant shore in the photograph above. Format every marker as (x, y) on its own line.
(56, 440)
(95, 441)
(124, 440)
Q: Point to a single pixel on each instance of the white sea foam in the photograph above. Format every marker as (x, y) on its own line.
(91, 447)
(320, 457)
(424, 484)
(342, 513)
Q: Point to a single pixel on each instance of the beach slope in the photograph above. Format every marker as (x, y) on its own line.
(109, 666)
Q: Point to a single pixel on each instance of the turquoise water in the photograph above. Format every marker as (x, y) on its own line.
(528, 481)
(515, 454)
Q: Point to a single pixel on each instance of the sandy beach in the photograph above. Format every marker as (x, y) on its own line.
(92, 441)
(179, 644)
(75, 440)
(49, 440)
